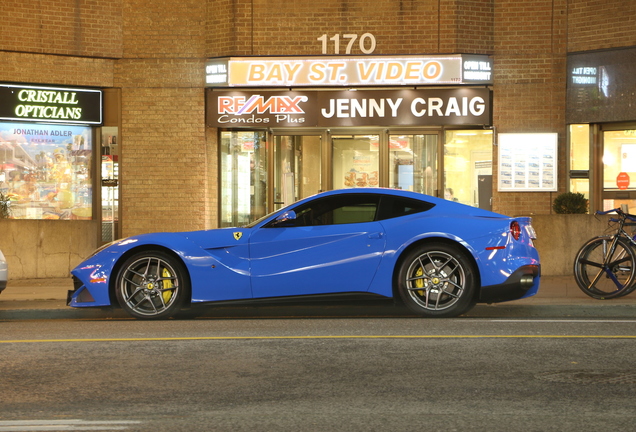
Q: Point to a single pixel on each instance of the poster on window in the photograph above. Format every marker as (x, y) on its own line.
(45, 170)
(527, 162)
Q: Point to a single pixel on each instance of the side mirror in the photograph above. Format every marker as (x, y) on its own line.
(285, 218)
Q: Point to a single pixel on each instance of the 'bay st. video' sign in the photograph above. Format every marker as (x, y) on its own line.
(50, 104)
(434, 107)
(349, 71)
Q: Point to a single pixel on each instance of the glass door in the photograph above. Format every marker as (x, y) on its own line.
(468, 167)
(619, 169)
(413, 162)
(110, 184)
(243, 168)
(297, 168)
(356, 161)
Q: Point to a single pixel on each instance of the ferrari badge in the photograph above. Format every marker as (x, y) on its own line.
(238, 235)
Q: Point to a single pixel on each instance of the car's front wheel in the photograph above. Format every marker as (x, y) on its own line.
(437, 280)
(152, 285)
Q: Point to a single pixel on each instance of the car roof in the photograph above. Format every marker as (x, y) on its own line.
(379, 191)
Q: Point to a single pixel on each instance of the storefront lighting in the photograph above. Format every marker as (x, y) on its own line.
(608, 159)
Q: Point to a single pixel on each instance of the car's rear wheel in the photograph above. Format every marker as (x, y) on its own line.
(437, 280)
(152, 285)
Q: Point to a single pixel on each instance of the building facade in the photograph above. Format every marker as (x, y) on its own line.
(216, 112)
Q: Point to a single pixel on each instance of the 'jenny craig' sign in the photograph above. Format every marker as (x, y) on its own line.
(436, 107)
(50, 104)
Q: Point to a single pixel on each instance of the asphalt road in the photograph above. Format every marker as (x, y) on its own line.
(268, 372)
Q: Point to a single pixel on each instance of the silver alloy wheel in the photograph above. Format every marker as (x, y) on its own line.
(435, 280)
(149, 286)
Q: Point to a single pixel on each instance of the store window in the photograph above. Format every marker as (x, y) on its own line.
(45, 170)
(356, 161)
(468, 167)
(413, 163)
(243, 168)
(619, 168)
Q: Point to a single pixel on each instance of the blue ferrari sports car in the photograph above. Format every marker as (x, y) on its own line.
(437, 257)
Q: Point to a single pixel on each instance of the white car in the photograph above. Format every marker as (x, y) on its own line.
(4, 272)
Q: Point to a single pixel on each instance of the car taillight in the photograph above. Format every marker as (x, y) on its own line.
(515, 230)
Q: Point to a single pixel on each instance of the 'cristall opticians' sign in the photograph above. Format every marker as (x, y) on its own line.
(461, 106)
(50, 104)
(348, 71)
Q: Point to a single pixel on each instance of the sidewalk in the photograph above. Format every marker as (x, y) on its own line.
(51, 293)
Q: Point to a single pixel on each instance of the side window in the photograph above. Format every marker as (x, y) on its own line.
(338, 209)
(392, 207)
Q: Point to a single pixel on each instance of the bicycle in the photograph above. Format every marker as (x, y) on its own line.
(605, 266)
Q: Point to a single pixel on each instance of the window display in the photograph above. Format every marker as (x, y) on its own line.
(45, 170)
(413, 163)
(355, 161)
(528, 162)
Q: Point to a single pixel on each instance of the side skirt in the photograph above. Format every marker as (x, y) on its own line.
(315, 298)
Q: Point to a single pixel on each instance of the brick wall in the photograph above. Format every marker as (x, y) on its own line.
(77, 28)
(466, 26)
(601, 24)
(163, 170)
(164, 29)
(280, 27)
(163, 152)
(529, 90)
(50, 69)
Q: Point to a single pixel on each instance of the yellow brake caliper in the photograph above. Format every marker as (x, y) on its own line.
(419, 283)
(167, 285)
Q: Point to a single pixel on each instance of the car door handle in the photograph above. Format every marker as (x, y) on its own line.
(376, 235)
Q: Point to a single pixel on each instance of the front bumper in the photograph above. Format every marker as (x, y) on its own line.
(524, 282)
(79, 296)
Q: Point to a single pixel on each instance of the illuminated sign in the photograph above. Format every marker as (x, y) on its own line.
(584, 75)
(528, 162)
(476, 69)
(348, 71)
(462, 106)
(50, 104)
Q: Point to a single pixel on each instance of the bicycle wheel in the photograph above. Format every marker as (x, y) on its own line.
(602, 273)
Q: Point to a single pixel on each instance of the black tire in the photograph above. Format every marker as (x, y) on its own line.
(601, 276)
(437, 280)
(152, 285)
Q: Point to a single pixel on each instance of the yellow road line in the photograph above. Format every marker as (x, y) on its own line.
(212, 338)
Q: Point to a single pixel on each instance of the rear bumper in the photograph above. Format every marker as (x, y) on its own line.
(4, 274)
(524, 282)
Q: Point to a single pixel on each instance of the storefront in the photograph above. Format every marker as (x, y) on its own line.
(290, 127)
(601, 117)
(48, 164)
